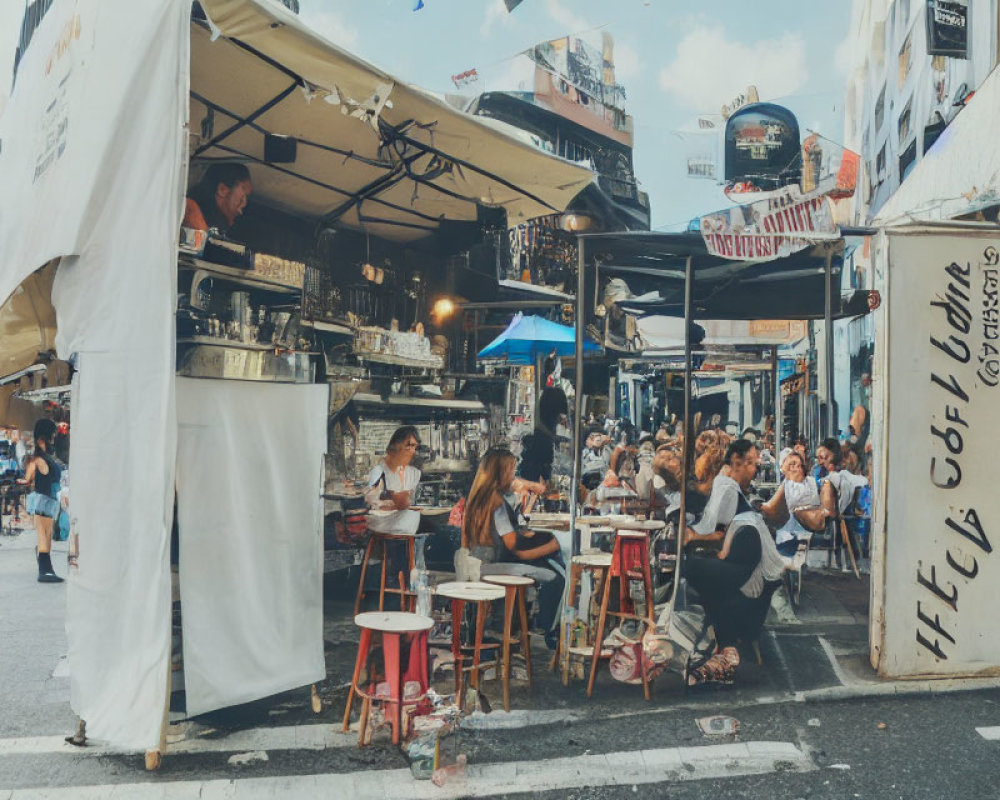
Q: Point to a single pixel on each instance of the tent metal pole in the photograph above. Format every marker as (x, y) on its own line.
(574, 500)
(687, 446)
(776, 387)
(831, 422)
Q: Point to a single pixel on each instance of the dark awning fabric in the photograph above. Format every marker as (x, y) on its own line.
(785, 288)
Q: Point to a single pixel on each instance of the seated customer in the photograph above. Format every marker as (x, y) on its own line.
(493, 531)
(736, 586)
(796, 501)
(392, 484)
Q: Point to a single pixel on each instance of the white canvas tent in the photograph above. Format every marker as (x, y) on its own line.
(94, 146)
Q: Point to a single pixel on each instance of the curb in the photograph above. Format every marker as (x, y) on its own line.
(896, 688)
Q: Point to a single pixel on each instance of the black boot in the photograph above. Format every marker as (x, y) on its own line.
(45, 572)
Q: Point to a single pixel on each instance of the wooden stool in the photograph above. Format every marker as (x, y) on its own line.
(460, 593)
(381, 541)
(629, 562)
(515, 588)
(393, 625)
(597, 564)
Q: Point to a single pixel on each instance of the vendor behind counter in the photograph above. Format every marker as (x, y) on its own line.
(219, 198)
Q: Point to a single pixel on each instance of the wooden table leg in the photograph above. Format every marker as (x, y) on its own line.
(363, 646)
(381, 591)
(599, 633)
(525, 642)
(850, 548)
(394, 679)
(510, 598)
(481, 606)
(457, 610)
(364, 571)
(575, 573)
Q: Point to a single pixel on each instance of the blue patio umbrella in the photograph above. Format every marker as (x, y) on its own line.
(527, 338)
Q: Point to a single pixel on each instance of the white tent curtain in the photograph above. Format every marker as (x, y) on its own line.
(251, 538)
(105, 120)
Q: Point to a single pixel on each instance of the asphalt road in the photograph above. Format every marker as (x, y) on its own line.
(899, 747)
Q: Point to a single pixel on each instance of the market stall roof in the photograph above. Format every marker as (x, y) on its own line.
(526, 338)
(653, 265)
(372, 152)
(28, 322)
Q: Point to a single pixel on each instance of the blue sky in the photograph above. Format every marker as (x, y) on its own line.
(676, 60)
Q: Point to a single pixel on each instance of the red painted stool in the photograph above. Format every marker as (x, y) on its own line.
(630, 570)
(393, 625)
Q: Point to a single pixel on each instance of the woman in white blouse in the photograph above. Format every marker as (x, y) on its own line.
(392, 484)
(797, 498)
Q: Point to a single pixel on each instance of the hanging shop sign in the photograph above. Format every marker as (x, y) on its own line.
(828, 168)
(938, 525)
(762, 147)
(747, 98)
(785, 222)
(948, 28)
(463, 79)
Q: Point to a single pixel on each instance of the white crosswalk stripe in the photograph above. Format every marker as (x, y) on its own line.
(990, 734)
(483, 780)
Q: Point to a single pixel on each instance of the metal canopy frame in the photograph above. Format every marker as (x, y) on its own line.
(403, 151)
(668, 253)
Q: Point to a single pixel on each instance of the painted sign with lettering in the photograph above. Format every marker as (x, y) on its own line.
(936, 536)
(948, 28)
(784, 222)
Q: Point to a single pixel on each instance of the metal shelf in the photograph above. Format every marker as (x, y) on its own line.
(327, 327)
(401, 361)
(232, 275)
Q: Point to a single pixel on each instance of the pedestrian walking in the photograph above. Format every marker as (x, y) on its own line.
(43, 473)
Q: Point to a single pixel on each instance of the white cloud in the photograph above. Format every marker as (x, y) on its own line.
(567, 18)
(331, 25)
(710, 70)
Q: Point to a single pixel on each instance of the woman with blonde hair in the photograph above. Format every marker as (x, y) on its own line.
(494, 531)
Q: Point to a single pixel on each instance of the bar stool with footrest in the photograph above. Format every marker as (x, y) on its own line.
(380, 541)
(630, 567)
(483, 595)
(515, 588)
(393, 626)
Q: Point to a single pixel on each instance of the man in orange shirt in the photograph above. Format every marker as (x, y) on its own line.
(219, 198)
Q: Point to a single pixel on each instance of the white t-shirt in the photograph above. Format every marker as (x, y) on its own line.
(721, 507)
(846, 483)
(386, 518)
(797, 495)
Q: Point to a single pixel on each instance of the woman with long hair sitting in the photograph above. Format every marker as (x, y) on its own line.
(494, 532)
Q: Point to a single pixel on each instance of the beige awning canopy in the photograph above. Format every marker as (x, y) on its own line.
(372, 153)
(28, 321)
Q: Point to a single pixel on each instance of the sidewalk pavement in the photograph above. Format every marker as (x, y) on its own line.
(34, 674)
